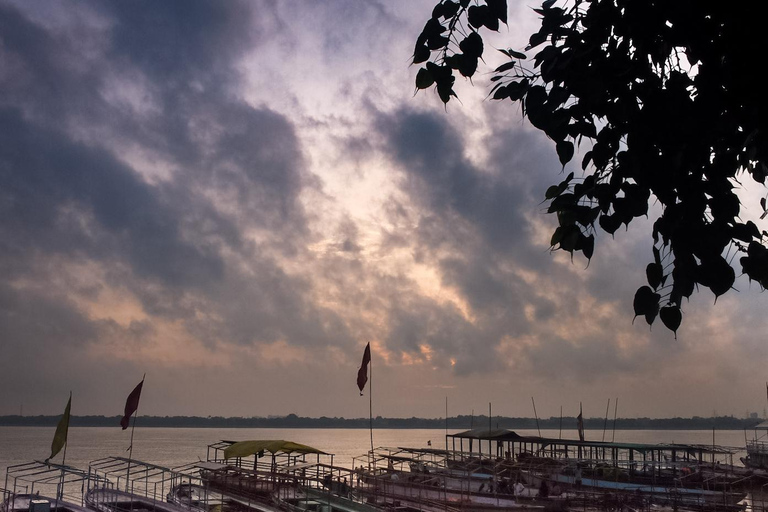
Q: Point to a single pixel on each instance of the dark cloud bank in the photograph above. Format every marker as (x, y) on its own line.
(130, 162)
(70, 196)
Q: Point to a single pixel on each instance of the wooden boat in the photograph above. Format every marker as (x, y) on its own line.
(261, 469)
(694, 476)
(37, 503)
(39, 486)
(198, 498)
(195, 497)
(113, 500)
(314, 500)
(422, 484)
(573, 474)
(757, 448)
(239, 481)
(128, 485)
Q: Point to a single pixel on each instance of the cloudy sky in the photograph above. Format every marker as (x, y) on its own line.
(235, 197)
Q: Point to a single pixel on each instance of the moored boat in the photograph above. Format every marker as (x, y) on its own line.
(38, 503)
(502, 470)
(113, 500)
(198, 498)
(39, 486)
(757, 448)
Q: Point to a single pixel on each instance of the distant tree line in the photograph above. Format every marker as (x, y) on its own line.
(453, 423)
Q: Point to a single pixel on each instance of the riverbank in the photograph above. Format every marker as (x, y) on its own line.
(453, 423)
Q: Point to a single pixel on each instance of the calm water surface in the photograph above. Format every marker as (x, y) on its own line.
(173, 447)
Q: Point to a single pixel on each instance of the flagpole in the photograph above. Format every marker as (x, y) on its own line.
(63, 460)
(130, 448)
(63, 464)
(446, 425)
(370, 403)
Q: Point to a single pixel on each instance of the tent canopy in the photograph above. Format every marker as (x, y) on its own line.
(246, 448)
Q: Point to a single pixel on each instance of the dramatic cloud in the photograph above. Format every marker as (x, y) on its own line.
(234, 197)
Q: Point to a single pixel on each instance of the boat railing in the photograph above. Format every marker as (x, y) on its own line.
(136, 478)
(376, 487)
(757, 446)
(685, 470)
(429, 490)
(51, 480)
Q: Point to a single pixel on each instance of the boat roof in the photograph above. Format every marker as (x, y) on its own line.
(210, 466)
(762, 426)
(46, 472)
(246, 448)
(511, 436)
(485, 434)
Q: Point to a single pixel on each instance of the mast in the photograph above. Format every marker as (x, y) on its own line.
(535, 415)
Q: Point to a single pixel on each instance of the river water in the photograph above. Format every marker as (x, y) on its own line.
(172, 447)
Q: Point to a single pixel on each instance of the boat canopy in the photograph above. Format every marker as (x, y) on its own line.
(485, 434)
(246, 448)
(509, 436)
(761, 426)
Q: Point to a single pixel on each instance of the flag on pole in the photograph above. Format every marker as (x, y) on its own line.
(362, 373)
(60, 437)
(580, 421)
(131, 404)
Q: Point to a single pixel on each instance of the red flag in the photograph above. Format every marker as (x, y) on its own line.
(362, 373)
(131, 405)
(580, 421)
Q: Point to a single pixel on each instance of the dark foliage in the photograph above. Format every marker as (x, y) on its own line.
(667, 96)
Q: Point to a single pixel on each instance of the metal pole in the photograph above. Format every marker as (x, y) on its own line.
(446, 425)
(536, 416)
(615, 412)
(370, 402)
(445, 477)
(60, 491)
(605, 423)
(130, 448)
(560, 435)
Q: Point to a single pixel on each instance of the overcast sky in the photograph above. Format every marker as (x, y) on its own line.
(235, 197)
